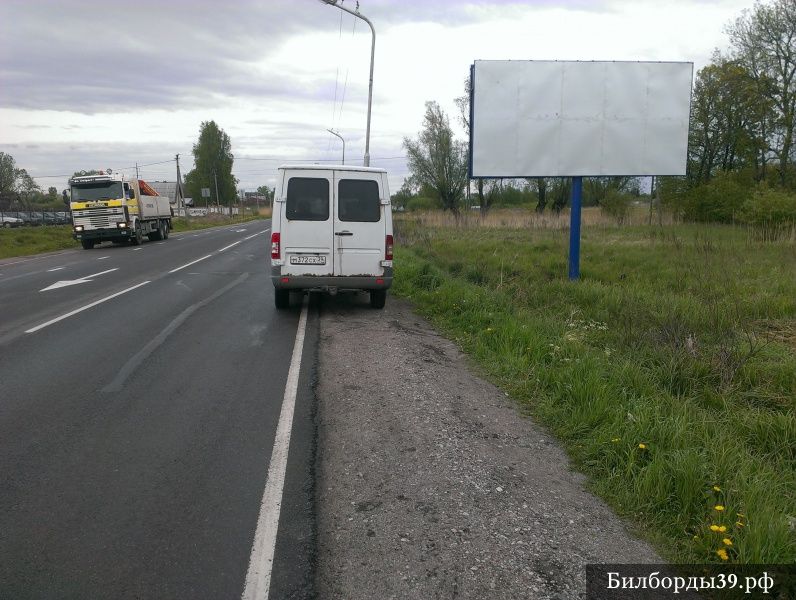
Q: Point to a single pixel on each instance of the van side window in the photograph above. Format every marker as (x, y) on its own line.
(307, 199)
(358, 200)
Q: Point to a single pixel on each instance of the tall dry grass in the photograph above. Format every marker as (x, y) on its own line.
(518, 218)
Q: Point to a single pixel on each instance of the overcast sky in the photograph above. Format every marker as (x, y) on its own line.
(90, 84)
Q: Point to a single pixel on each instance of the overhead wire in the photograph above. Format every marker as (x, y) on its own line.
(345, 84)
(336, 78)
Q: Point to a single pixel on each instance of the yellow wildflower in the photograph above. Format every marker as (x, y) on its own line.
(727, 541)
(722, 553)
(718, 507)
(615, 440)
(739, 524)
(716, 488)
(722, 528)
(740, 515)
(714, 528)
(643, 446)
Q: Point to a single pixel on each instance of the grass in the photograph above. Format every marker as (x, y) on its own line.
(26, 241)
(668, 371)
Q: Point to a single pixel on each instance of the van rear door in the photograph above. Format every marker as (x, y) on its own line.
(359, 223)
(306, 223)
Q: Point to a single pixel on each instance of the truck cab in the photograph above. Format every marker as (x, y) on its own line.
(331, 231)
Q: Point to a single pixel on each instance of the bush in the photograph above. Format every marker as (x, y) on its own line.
(617, 205)
(719, 201)
(769, 206)
(421, 203)
(772, 213)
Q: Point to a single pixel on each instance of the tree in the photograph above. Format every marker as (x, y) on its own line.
(492, 186)
(729, 122)
(437, 160)
(212, 155)
(8, 170)
(266, 192)
(539, 185)
(764, 40)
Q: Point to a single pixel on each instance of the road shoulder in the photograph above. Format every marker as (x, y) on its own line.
(430, 482)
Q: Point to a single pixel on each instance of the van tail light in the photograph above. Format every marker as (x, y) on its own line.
(275, 250)
(388, 248)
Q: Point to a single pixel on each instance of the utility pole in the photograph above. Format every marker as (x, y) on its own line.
(218, 202)
(180, 197)
(136, 170)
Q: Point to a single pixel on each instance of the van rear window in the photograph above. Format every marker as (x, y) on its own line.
(358, 200)
(307, 199)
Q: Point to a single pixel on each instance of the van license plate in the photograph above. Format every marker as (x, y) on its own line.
(307, 260)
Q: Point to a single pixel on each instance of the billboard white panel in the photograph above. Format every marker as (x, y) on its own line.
(572, 118)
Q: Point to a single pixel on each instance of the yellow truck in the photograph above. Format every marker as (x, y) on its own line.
(111, 207)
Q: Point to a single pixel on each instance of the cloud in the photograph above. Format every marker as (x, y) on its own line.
(88, 57)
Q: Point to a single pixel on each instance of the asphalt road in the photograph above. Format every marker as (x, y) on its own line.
(141, 389)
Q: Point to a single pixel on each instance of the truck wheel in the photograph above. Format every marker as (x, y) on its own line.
(378, 298)
(87, 244)
(138, 238)
(282, 298)
(156, 235)
(166, 228)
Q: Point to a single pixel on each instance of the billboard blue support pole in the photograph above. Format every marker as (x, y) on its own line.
(574, 229)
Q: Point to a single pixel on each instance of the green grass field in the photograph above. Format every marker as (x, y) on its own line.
(25, 241)
(668, 371)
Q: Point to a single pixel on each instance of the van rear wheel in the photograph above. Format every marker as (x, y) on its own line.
(282, 298)
(378, 298)
(87, 244)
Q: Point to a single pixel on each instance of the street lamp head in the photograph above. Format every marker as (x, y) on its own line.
(332, 2)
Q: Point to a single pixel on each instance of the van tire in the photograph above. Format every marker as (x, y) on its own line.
(166, 228)
(378, 298)
(87, 244)
(282, 299)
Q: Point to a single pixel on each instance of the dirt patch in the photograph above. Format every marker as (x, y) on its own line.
(430, 482)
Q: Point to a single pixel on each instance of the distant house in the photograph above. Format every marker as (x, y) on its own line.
(166, 188)
(254, 198)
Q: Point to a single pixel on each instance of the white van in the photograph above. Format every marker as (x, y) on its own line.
(331, 231)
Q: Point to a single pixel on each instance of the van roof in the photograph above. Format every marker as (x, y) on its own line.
(332, 168)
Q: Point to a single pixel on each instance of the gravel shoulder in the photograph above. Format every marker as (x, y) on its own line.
(431, 484)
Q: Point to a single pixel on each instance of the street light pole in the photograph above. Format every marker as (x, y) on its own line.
(341, 139)
(370, 84)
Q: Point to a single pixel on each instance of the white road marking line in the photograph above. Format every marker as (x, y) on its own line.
(189, 264)
(256, 234)
(261, 561)
(82, 308)
(137, 249)
(103, 257)
(55, 269)
(230, 246)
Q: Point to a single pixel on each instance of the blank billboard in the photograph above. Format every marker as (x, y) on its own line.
(567, 119)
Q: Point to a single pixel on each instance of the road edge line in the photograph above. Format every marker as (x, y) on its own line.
(261, 561)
